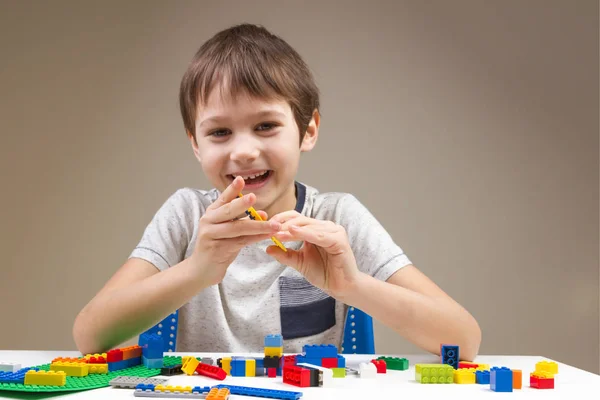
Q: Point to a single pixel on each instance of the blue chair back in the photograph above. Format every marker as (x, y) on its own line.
(358, 332)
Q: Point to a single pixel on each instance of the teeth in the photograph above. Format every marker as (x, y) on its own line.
(250, 176)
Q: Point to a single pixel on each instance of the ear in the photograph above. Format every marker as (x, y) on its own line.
(194, 146)
(312, 132)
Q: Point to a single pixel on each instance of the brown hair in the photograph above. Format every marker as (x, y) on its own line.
(249, 58)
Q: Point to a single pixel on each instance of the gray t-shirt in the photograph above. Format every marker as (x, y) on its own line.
(258, 295)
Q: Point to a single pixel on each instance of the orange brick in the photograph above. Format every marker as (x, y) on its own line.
(132, 352)
(517, 379)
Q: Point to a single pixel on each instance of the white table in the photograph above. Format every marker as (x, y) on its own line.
(571, 383)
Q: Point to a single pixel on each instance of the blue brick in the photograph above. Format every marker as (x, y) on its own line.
(341, 362)
(256, 392)
(132, 362)
(482, 377)
(152, 362)
(273, 341)
(144, 387)
(201, 389)
(118, 365)
(238, 367)
(309, 360)
(501, 379)
(15, 377)
(152, 345)
(320, 351)
(260, 362)
(450, 355)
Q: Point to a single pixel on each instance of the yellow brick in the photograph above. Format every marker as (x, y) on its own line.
(251, 367)
(172, 389)
(98, 368)
(71, 368)
(273, 351)
(189, 366)
(547, 366)
(46, 378)
(483, 367)
(464, 375)
(226, 365)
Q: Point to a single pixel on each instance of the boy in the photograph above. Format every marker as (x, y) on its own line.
(250, 108)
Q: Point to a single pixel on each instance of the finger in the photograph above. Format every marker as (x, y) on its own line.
(302, 220)
(319, 235)
(286, 215)
(291, 257)
(243, 227)
(244, 241)
(263, 215)
(231, 210)
(230, 193)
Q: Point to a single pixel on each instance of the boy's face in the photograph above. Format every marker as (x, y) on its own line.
(257, 139)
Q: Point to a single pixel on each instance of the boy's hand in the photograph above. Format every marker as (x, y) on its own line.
(326, 259)
(221, 236)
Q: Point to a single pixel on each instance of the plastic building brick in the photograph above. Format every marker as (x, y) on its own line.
(251, 367)
(483, 367)
(130, 382)
(501, 379)
(395, 363)
(118, 365)
(274, 351)
(98, 368)
(45, 378)
(70, 368)
(339, 372)
(207, 360)
(330, 362)
(547, 366)
(167, 329)
(449, 355)
(380, 365)
(160, 391)
(367, 370)
(465, 364)
(273, 341)
(258, 392)
(541, 380)
(15, 382)
(9, 367)
(96, 358)
(297, 376)
(271, 372)
(131, 352)
(189, 365)
(252, 214)
(114, 355)
(152, 362)
(434, 373)
(170, 371)
(324, 375)
(211, 371)
(218, 394)
(482, 377)
(517, 379)
(238, 367)
(12, 378)
(272, 362)
(319, 351)
(152, 345)
(464, 375)
(226, 365)
(289, 360)
(309, 360)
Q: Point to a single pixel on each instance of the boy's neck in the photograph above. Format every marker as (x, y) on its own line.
(286, 202)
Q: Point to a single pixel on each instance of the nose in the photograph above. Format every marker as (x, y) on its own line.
(245, 150)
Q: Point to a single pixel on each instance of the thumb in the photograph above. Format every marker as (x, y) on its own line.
(290, 257)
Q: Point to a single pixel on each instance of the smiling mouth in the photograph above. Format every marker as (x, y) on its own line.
(255, 178)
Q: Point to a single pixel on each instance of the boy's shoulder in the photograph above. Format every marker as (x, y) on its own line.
(330, 205)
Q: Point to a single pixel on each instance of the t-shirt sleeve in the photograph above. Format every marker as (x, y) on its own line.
(168, 235)
(375, 251)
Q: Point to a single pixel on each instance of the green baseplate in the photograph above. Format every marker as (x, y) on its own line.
(92, 381)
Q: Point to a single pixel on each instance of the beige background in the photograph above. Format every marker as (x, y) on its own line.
(469, 128)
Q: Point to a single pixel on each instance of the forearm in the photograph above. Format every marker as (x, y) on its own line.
(119, 314)
(423, 320)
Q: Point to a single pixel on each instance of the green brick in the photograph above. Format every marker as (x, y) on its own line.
(395, 363)
(339, 372)
(434, 373)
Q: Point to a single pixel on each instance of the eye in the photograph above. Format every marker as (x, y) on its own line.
(266, 126)
(219, 132)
